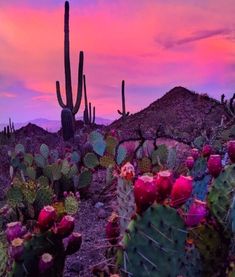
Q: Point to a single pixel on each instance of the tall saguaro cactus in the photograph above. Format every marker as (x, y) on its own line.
(68, 83)
(124, 114)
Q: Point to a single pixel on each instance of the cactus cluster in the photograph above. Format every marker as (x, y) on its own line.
(41, 252)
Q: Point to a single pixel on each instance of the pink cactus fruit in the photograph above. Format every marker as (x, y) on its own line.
(197, 212)
(206, 150)
(231, 150)
(214, 165)
(45, 263)
(145, 192)
(189, 162)
(65, 227)
(113, 228)
(127, 171)
(164, 183)
(181, 190)
(17, 249)
(195, 153)
(46, 218)
(74, 243)
(14, 230)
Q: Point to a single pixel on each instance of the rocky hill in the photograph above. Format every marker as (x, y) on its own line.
(180, 114)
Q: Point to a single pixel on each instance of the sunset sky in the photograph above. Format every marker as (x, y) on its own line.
(154, 45)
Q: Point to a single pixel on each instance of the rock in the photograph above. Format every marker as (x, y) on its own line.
(99, 205)
(75, 267)
(102, 213)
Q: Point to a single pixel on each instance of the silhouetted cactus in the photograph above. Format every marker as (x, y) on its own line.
(68, 83)
(123, 113)
(87, 115)
(67, 124)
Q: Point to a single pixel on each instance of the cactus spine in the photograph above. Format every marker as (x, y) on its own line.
(87, 115)
(124, 114)
(68, 83)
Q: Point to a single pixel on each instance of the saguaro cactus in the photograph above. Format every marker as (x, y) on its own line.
(68, 83)
(123, 113)
(87, 115)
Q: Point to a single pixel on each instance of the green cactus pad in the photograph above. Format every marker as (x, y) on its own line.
(73, 171)
(107, 161)
(14, 196)
(40, 160)
(121, 154)
(199, 168)
(160, 155)
(126, 202)
(43, 181)
(47, 171)
(55, 169)
(43, 198)
(85, 179)
(111, 143)
(3, 259)
(71, 205)
(19, 148)
(75, 157)
(65, 167)
(90, 160)
(199, 142)
(98, 143)
(31, 172)
(145, 165)
(28, 159)
(44, 151)
(213, 248)
(154, 245)
(29, 192)
(54, 155)
(220, 197)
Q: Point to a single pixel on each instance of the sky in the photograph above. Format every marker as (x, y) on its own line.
(154, 45)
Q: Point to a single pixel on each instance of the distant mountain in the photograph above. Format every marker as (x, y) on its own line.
(179, 114)
(52, 125)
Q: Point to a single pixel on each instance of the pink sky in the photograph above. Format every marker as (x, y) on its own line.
(152, 45)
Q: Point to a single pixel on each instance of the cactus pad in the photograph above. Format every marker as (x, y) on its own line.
(126, 202)
(107, 161)
(154, 245)
(90, 160)
(44, 151)
(221, 196)
(85, 179)
(71, 205)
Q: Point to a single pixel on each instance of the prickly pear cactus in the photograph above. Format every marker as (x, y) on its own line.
(111, 143)
(43, 198)
(85, 179)
(145, 165)
(3, 259)
(220, 198)
(44, 150)
(160, 155)
(154, 245)
(90, 160)
(71, 205)
(126, 202)
(107, 161)
(121, 154)
(213, 248)
(98, 143)
(199, 168)
(200, 190)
